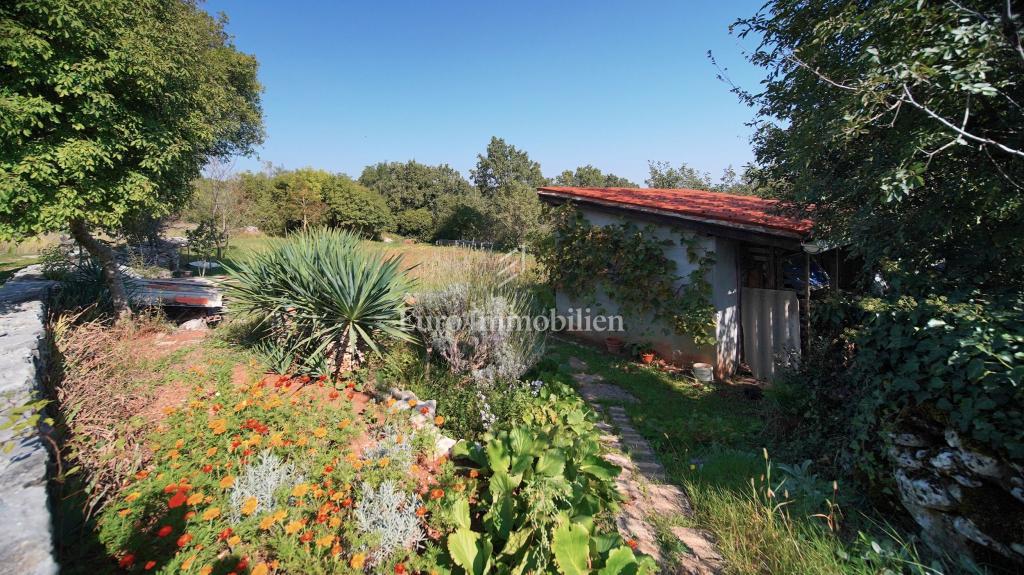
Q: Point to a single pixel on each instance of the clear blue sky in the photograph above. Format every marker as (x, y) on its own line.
(613, 84)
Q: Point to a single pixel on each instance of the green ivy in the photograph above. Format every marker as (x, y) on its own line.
(629, 263)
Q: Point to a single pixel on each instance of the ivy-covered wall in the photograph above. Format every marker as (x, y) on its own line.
(662, 337)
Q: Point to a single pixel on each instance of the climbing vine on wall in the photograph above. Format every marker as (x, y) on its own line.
(629, 263)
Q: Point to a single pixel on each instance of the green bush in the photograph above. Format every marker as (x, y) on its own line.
(357, 208)
(547, 501)
(323, 295)
(957, 362)
(418, 223)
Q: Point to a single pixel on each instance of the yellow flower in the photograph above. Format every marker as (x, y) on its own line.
(234, 540)
(390, 402)
(344, 423)
(358, 561)
(249, 507)
(194, 499)
(325, 541)
(302, 441)
(124, 512)
(179, 444)
(187, 564)
(293, 527)
(206, 570)
(211, 452)
(241, 405)
(334, 522)
(211, 513)
(277, 440)
(279, 515)
(320, 432)
(227, 481)
(260, 569)
(383, 462)
(300, 490)
(132, 496)
(412, 403)
(219, 426)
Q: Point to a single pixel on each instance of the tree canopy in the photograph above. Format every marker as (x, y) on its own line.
(590, 177)
(110, 108)
(503, 164)
(901, 123)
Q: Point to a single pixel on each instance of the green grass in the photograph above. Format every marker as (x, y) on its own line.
(9, 265)
(712, 441)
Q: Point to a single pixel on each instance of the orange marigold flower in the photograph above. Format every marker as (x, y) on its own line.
(184, 539)
(190, 515)
(293, 527)
(234, 540)
(474, 473)
(400, 569)
(436, 493)
(325, 541)
(250, 505)
(149, 565)
(211, 452)
(438, 421)
(306, 536)
(132, 496)
(320, 432)
(142, 474)
(206, 570)
(358, 561)
(194, 499)
(260, 569)
(227, 481)
(300, 490)
(218, 426)
(187, 564)
(421, 511)
(211, 513)
(335, 522)
(164, 531)
(124, 512)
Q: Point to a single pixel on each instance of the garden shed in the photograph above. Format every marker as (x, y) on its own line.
(763, 272)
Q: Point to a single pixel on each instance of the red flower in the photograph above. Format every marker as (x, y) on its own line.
(346, 502)
(224, 534)
(178, 500)
(164, 531)
(400, 569)
(150, 565)
(306, 537)
(242, 564)
(437, 493)
(632, 543)
(184, 540)
(207, 468)
(127, 561)
(333, 394)
(424, 410)
(328, 468)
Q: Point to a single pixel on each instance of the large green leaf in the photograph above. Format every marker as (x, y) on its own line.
(621, 561)
(571, 547)
(551, 463)
(470, 552)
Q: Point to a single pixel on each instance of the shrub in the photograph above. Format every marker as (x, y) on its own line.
(418, 223)
(388, 514)
(261, 481)
(479, 331)
(324, 295)
(546, 494)
(357, 208)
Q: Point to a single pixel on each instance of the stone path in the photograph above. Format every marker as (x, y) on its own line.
(647, 498)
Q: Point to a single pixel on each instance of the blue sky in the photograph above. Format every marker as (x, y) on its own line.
(613, 84)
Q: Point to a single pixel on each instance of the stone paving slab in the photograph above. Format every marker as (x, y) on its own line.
(642, 482)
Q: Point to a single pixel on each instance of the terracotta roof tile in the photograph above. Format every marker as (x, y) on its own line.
(713, 207)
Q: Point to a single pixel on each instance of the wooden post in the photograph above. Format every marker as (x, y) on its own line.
(805, 338)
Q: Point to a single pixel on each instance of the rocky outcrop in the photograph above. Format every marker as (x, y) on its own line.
(967, 502)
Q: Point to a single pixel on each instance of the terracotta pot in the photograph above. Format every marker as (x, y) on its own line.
(613, 344)
(647, 357)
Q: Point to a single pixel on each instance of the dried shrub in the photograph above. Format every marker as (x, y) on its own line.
(99, 401)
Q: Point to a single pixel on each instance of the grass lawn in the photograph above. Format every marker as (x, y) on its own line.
(712, 441)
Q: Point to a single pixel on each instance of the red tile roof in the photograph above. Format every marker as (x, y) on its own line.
(712, 207)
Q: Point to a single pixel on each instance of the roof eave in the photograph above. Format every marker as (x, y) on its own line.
(619, 206)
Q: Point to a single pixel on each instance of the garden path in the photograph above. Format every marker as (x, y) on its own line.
(648, 500)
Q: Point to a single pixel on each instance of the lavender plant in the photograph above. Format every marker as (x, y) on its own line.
(261, 480)
(389, 516)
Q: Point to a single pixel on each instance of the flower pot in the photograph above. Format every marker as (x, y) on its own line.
(703, 372)
(613, 344)
(647, 357)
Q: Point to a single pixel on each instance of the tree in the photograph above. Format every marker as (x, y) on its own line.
(111, 108)
(901, 123)
(412, 185)
(590, 177)
(664, 175)
(303, 192)
(352, 206)
(502, 165)
(515, 214)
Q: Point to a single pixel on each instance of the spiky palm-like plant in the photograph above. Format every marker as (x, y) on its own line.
(324, 293)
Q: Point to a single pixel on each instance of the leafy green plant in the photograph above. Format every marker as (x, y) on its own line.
(630, 265)
(324, 293)
(544, 500)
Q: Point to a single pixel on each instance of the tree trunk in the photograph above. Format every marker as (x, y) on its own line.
(111, 274)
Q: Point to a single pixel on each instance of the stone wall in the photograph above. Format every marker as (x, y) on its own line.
(26, 540)
(968, 503)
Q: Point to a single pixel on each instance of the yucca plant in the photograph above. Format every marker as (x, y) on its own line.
(323, 293)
